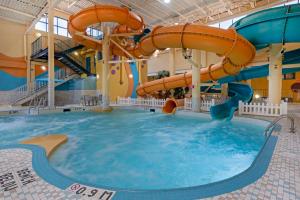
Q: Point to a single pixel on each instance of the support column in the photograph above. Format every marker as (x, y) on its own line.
(275, 74)
(196, 98)
(105, 69)
(172, 66)
(51, 76)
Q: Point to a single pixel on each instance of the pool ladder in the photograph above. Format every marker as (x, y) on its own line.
(269, 128)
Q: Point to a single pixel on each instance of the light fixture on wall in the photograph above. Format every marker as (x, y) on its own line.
(97, 76)
(176, 23)
(130, 76)
(43, 67)
(257, 96)
(76, 53)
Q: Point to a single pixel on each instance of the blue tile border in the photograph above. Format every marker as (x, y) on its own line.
(257, 169)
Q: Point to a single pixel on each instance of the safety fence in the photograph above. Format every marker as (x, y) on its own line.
(205, 104)
(263, 108)
(127, 101)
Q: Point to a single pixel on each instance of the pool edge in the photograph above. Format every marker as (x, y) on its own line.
(257, 169)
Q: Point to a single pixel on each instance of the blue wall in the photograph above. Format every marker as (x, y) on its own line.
(88, 83)
(9, 82)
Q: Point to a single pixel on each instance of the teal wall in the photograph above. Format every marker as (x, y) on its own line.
(88, 83)
(9, 82)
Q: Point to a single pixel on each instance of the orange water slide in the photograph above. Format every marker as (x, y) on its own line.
(236, 51)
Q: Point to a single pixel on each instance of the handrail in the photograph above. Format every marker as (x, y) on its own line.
(276, 120)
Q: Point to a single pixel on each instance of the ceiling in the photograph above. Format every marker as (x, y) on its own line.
(154, 12)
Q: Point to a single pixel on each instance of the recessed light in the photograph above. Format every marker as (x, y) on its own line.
(167, 1)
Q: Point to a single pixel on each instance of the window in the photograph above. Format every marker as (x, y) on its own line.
(42, 25)
(289, 76)
(94, 32)
(226, 24)
(60, 26)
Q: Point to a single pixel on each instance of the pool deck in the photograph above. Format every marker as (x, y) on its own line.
(18, 179)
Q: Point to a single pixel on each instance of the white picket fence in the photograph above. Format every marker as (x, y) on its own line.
(127, 101)
(159, 103)
(263, 109)
(205, 104)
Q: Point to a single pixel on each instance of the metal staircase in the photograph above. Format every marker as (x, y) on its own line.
(23, 94)
(63, 52)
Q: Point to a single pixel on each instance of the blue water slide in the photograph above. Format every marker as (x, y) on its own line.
(237, 92)
(275, 25)
(135, 74)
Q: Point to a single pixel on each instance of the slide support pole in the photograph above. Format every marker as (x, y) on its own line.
(51, 74)
(172, 66)
(105, 68)
(275, 74)
(196, 104)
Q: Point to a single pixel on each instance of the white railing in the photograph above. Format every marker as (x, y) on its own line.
(205, 104)
(22, 91)
(127, 101)
(263, 109)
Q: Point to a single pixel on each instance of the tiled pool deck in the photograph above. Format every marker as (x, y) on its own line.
(281, 181)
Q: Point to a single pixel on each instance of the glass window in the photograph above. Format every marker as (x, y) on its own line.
(217, 25)
(62, 23)
(62, 31)
(41, 26)
(44, 19)
(291, 2)
(238, 18)
(226, 24)
(55, 30)
(289, 76)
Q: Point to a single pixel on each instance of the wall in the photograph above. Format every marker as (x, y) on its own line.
(12, 60)
(161, 62)
(260, 87)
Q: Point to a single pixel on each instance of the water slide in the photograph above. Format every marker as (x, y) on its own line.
(259, 29)
(243, 92)
(236, 51)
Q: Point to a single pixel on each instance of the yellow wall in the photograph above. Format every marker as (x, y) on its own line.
(161, 62)
(116, 88)
(12, 38)
(260, 87)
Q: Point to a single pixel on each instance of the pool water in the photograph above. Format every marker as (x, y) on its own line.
(133, 149)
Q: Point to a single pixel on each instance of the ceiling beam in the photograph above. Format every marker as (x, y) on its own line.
(43, 11)
(17, 11)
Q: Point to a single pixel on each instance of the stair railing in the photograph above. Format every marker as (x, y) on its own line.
(23, 91)
(268, 130)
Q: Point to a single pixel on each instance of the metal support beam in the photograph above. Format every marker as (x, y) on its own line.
(17, 12)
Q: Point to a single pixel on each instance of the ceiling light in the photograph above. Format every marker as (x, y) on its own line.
(176, 23)
(167, 1)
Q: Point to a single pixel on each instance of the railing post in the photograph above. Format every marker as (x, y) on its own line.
(240, 107)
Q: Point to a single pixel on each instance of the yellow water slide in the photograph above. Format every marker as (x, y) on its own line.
(236, 51)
